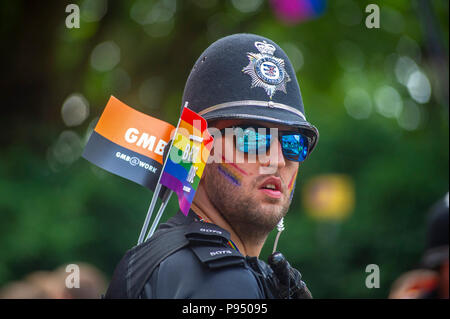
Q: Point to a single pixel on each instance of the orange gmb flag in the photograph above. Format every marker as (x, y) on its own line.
(129, 143)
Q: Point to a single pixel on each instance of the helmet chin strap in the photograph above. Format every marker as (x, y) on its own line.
(280, 228)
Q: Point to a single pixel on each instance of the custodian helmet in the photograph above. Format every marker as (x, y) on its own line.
(247, 76)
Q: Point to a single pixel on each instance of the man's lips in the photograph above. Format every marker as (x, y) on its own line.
(271, 187)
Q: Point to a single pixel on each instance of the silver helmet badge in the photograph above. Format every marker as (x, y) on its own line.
(266, 70)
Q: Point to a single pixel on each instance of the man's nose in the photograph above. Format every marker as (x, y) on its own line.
(275, 156)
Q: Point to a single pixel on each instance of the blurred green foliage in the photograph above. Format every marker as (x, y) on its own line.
(57, 208)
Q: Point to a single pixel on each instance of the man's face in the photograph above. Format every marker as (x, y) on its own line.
(251, 192)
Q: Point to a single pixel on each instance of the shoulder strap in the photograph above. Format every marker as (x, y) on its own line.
(218, 256)
(147, 256)
(209, 244)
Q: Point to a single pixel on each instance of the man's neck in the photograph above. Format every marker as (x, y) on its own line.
(203, 207)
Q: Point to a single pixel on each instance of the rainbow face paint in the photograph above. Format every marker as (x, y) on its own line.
(233, 165)
(291, 186)
(233, 172)
(226, 171)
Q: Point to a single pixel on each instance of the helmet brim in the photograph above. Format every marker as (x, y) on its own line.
(266, 114)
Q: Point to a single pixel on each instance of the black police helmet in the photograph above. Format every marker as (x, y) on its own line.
(247, 76)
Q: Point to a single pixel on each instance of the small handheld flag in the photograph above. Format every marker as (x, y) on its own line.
(129, 143)
(185, 163)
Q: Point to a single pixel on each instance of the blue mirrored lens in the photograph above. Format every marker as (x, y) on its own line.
(294, 146)
(252, 142)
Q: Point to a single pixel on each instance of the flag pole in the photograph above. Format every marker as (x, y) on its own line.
(157, 190)
(158, 215)
(149, 213)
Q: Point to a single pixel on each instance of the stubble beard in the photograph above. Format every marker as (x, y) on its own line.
(249, 217)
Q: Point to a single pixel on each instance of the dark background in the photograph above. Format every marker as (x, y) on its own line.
(378, 96)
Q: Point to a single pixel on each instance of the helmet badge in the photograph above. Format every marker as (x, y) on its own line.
(266, 70)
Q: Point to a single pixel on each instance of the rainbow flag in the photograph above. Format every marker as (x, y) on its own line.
(187, 158)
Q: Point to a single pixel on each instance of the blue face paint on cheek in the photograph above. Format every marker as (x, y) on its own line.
(233, 178)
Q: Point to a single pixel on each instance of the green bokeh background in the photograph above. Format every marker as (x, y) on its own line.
(57, 208)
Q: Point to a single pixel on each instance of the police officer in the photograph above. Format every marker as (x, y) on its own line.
(243, 84)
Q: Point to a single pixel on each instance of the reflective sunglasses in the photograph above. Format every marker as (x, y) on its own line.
(257, 140)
